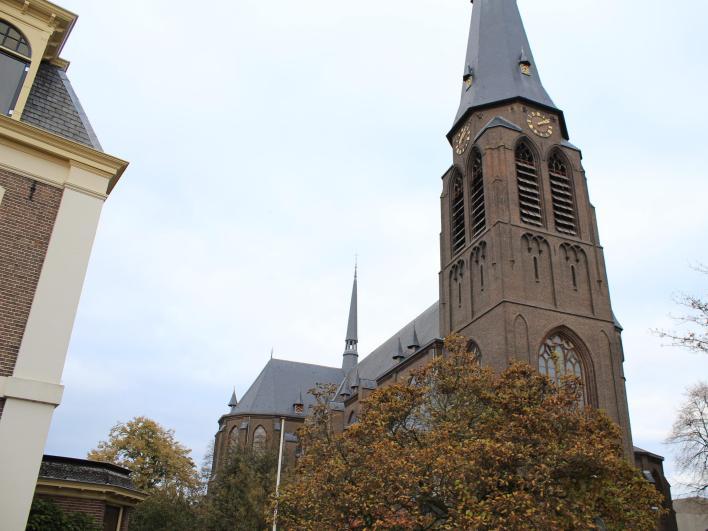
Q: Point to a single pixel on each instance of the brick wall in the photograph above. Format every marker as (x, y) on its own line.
(27, 214)
(125, 523)
(94, 508)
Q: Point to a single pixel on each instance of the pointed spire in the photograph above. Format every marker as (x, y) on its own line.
(399, 356)
(351, 355)
(299, 406)
(499, 65)
(233, 403)
(415, 342)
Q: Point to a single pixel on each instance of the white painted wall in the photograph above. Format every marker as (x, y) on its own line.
(35, 388)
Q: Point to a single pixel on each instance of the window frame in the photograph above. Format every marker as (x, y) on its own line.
(527, 144)
(12, 105)
(478, 196)
(257, 433)
(23, 40)
(458, 214)
(558, 156)
(589, 395)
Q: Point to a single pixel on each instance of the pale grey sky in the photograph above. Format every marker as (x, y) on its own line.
(271, 140)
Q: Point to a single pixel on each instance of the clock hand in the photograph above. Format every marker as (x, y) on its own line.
(544, 122)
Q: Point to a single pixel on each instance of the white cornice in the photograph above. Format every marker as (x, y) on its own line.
(85, 169)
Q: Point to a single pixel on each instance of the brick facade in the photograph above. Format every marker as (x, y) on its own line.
(518, 282)
(27, 214)
(95, 508)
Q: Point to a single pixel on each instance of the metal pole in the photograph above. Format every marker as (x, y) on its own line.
(280, 466)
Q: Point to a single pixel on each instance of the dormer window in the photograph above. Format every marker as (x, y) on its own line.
(15, 58)
(525, 63)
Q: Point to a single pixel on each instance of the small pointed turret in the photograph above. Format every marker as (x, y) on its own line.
(351, 354)
(299, 406)
(233, 403)
(355, 382)
(499, 65)
(415, 342)
(399, 356)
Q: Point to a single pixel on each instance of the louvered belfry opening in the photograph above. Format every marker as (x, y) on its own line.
(479, 218)
(458, 214)
(563, 196)
(529, 189)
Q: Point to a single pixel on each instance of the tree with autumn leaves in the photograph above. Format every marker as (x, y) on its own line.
(459, 447)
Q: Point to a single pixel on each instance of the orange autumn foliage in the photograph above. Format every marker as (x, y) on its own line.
(459, 447)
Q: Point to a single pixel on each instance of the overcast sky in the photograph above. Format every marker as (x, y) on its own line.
(270, 141)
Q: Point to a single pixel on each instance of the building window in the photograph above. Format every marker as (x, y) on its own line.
(458, 215)
(563, 196)
(559, 357)
(259, 439)
(479, 218)
(353, 419)
(473, 348)
(15, 56)
(529, 188)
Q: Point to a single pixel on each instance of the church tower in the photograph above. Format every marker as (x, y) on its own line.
(522, 269)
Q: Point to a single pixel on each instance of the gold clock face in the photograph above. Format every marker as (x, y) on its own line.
(540, 124)
(462, 140)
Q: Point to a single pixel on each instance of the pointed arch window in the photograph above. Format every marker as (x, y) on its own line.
(233, 438)
(563, 196)
(15, 58)
(528, 185)
(559, 357)
(353, 419)
(458, 214)
(260, 438)
(473, 348)
(478, 214)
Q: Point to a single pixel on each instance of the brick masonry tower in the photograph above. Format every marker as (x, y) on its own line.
(522, 269)
(54, 179)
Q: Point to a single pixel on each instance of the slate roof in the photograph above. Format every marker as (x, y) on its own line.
(380, 360)
(498, 121)
(71, 469)
(497, 45)
(52, 105)
(279, 385)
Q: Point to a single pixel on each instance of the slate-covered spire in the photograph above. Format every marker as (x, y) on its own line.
(500, 65)
(233, 403)
(351, 355)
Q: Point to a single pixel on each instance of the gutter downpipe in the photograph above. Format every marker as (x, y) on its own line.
(280, 466)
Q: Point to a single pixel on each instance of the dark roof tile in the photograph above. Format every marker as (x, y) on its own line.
(52, 105)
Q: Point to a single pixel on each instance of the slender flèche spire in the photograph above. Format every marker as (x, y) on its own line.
(500, 65)
(351, 355)
(233, 403)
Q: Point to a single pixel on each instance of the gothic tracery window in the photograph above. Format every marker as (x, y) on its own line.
(478, 215)
(457, 211)
(563, 196)
(559, 357)
(259, 439)
(473, 348)
(528, 185)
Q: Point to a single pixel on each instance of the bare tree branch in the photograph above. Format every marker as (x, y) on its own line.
(695, 336)
(690, 436)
